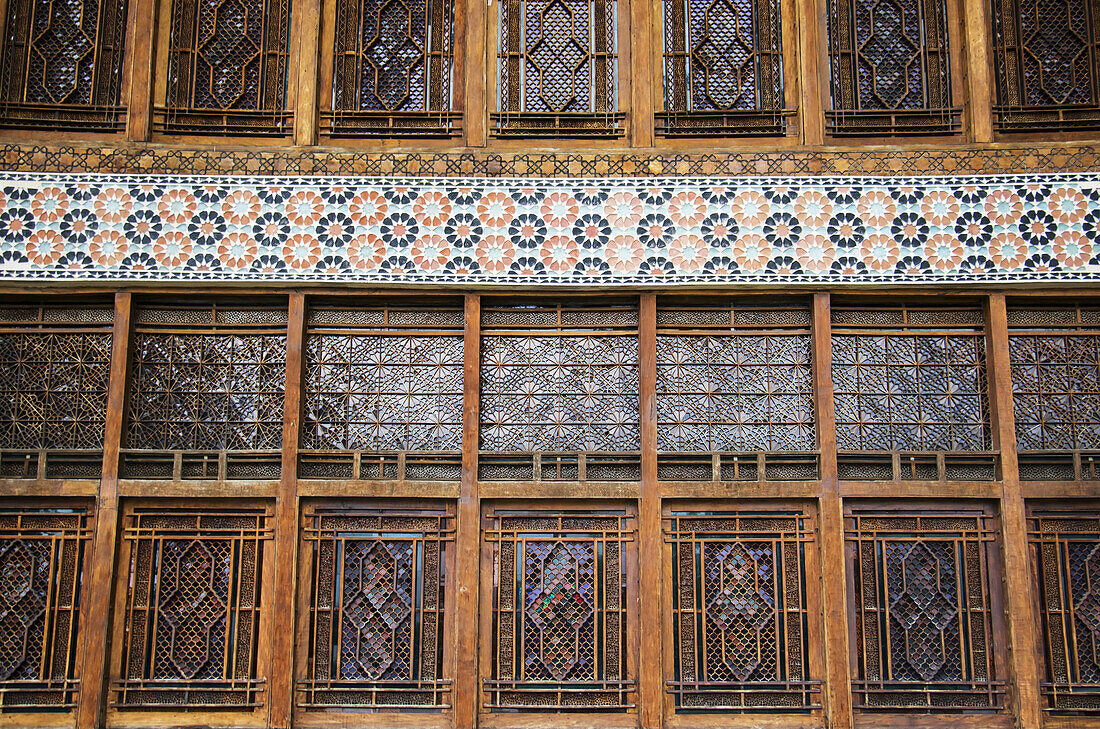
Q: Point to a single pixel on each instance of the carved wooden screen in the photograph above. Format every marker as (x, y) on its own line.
(559, 392)
(723, 64)
(890, 67)
(42, 560)
(392, 66)
(739, 613)
(911, 380)
(62, 65)
(206, 381)
(191, 608)
(924, 617)
(383, 393)
(1065, 552)
(1045, 62)
(557, 69)
(735, 392)
(55, 363)
(1055, 356)
(227, 68)
(376, 611)
(559, 611)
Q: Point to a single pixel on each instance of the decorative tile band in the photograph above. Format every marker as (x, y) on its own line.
(575, 231)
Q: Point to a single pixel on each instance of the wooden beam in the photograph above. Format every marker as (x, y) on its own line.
(834, 589)
(976, 55)
(468, 529)
(1023, 665)
(810, 26)
(478, 59)
(95, 613)
(141, 27)
(650, 683)
(281, 679)
(642, 81)
(306, 39)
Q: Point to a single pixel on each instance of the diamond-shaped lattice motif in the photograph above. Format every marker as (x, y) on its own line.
(376, 605)
(559, 609)
(193, 609)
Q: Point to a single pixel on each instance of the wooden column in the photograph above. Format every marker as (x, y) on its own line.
(650, 685)
(1023, 667)
(976, 56)
(141, 26)
(306, 39)
(477, 59)
(813, 78)
(642, 80)
(468, 529)
(95, 613)
(834, 590)
(281, 696)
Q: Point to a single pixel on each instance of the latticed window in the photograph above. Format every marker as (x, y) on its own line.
(740, 619)
(204, 381)
(55, 364)
(890, 67)
(383, 393)
(227, 68)
(923, 625)
(558, 69)
(192, 608)
(41, 558)
(1055, 356)
(734, 382)
(559, 602)
(723, 65)
(63, 64)
(392, 68)
(911, 380)
(376, 612)
(559, 383)
(1045, 59)
(1065, 550)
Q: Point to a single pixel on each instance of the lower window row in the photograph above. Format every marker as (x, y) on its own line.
(559, 620)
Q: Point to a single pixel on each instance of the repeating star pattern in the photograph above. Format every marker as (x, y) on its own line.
(553, 231)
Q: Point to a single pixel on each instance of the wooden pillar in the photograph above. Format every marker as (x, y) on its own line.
(976, 55)
(1023, 666)
(477, 59)
(642, 80)
(834, 590)
(306, 39)
(281, 696)
(95, 613)
(813, 78)
(650, 685)
(141, 27)
(468, 529)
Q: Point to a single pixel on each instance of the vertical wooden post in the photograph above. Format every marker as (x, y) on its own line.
(95, 613)
(281, 696)
(834, 591)
(650, 686)
(980, 86)
(468, 528)
(1023, 667)
(477, 59)
(141, 27)
(811, 26)
(306, 39)
(641, 74)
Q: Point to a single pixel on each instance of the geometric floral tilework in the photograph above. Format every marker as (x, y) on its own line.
(561, 231)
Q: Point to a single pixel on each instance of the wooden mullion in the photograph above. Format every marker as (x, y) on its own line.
(471, 28)
(1023, 665)
(95, 615)
(811, 28)
(837, 689)
(141, 26)
(468, 529)
(304, 68)
(643, 81)
(286, 525)
(650, 685)
(975, 53)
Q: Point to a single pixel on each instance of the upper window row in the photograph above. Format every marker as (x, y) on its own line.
(389, 67)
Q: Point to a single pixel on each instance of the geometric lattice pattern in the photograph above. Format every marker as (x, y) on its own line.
(219, 390)
(557, 64)
(1055, 357)
(723, 67)
(1065, 549)
(376, 612)
(192, 608)
(734, 380)
(41, 560)
(889, 65)
(227, 67)
(392, 383)
(62, 64)
(555, 378)
(559, 611)
(923, 618)
(53, 389)
(915, 380)
(392, 67)
(739, 612)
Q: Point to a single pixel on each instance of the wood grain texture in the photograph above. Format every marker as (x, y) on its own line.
(650, 679)
(141, 27)
(468, 530)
